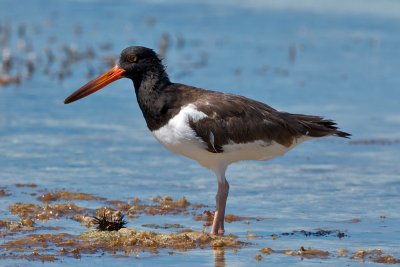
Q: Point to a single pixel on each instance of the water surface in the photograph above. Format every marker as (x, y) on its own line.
(327, 61)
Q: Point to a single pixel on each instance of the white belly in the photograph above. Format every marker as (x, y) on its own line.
(178, 137)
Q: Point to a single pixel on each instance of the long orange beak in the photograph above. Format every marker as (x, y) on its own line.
(108, 77)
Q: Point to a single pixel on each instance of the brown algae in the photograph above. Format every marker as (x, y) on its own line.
(374, 255)
(22, 243)
(125, 241)
(45, 212)
(53, 196)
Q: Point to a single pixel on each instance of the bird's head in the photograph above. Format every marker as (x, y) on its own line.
(133, 62)
(136, 60)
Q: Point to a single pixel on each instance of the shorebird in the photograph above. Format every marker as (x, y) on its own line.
(215, 129)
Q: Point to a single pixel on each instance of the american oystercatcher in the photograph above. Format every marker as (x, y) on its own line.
(213, 128)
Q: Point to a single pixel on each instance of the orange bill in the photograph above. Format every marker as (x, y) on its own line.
(108, 77)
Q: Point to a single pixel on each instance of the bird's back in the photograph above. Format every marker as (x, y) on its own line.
(233, 118)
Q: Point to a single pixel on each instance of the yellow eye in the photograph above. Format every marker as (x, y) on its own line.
(132, 58)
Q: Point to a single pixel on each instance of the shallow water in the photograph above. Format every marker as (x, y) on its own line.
(342, 64)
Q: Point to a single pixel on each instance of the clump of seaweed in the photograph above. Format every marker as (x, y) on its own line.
(167, 205)
(45, 212)
(109, 223)
(160, 206)
(151, 241)
(309, 253)
(127, 241)
(53, 196)
(4, 192)
(374, 255)
(317, 233)
(31, 185)
(207, 216)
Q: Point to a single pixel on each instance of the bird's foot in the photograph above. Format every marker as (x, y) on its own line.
(218, 224)
(218, 232)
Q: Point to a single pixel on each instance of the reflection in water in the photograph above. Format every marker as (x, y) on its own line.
(219, 257)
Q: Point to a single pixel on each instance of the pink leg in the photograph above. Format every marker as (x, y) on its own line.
(219, 215)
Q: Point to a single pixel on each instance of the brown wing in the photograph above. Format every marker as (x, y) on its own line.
(241, 120)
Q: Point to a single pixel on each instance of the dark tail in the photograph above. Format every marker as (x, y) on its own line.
(316, 126)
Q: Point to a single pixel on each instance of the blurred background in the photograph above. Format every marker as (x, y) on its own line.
(337, 59)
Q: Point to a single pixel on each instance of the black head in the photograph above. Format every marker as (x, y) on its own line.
(137, 60)
(135, 63)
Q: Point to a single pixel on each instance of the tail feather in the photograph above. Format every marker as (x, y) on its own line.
(316, 126)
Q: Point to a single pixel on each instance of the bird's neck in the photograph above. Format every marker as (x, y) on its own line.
(150, 79)
(149, 90)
